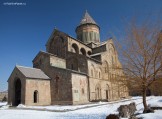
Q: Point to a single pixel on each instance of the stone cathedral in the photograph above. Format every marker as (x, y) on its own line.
(71, 70)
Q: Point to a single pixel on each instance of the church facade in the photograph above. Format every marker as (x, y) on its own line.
(70, 71)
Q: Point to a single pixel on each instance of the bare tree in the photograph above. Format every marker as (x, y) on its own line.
(142, 54)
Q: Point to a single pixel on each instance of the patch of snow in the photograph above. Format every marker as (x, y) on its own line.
(4, 107)
(157, 102)
(95, 110)
(3, 103)
(156, 115)
(21, 106)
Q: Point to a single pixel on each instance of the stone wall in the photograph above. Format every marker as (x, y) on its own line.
(80, 88)
(43, 89)
(57, 62)
(60, 84)
(76, 62)
(100, 89)
(57, 44)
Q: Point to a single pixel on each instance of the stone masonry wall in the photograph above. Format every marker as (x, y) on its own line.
(80, 88)
(43, 88)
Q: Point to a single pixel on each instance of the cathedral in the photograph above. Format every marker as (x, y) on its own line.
(71, 70)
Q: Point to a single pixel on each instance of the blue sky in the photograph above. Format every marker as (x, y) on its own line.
(24, 29)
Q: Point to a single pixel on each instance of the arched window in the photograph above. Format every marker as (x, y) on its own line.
(98, 91)
(35, 96)
(92, 71)
(75, 47)
(82, 50)
(105, 67)
(99, 75)
(89, 53)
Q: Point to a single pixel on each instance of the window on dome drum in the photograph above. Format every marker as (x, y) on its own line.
(81, 37)
(35, 96)
(86, 36)
(91, 35)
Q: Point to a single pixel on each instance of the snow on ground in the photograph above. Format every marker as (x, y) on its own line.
(71, 107)
(98, 111)
(156, 115)
(2, 103)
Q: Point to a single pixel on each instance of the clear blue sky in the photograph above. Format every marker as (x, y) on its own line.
(24, 29)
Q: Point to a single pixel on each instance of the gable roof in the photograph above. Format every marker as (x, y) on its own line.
(32, 72)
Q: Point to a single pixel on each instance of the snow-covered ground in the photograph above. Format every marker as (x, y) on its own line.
(88, 111)
(2, 103)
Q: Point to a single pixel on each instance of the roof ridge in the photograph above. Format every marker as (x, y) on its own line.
(27, 67)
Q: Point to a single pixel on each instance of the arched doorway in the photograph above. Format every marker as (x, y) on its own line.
(17, 92)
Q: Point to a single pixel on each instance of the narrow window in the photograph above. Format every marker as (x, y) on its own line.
(35, 96)
(99, 74)
(82, 90)
(56, 85)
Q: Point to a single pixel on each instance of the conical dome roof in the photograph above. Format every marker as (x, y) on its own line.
(87, 19)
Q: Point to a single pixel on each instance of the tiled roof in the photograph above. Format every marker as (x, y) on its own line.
(87, 19)
(32, 72)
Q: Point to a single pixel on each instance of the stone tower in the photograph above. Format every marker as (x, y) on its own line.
(88, 31)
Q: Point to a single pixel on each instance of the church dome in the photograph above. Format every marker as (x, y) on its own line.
(88, 30)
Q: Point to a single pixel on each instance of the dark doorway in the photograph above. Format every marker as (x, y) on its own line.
(17, 92)
(107, 94)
